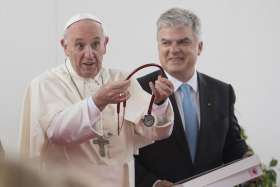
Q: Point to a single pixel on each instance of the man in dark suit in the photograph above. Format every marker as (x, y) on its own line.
(214, 138)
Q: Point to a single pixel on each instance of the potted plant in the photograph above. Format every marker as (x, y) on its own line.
(269, 177)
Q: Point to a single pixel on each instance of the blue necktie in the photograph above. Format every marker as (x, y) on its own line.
(191, 121)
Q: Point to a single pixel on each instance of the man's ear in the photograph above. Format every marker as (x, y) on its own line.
(106, 40)
(200, 47)
(64, 46)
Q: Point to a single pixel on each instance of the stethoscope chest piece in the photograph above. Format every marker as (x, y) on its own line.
(149, 120)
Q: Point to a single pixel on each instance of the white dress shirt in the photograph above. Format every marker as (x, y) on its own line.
(193, 83)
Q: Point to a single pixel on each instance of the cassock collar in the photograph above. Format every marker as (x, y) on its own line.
(177, 83)
(99, 78)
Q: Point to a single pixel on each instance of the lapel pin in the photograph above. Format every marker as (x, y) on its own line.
(209, 104)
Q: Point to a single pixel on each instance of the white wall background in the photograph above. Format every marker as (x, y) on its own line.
(241, 46)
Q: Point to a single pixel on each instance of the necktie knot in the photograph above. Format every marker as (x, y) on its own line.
(185, 90)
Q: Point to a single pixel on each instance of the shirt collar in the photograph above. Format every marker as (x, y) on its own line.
(177, 83)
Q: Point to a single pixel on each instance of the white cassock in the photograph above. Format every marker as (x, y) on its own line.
(57, 126)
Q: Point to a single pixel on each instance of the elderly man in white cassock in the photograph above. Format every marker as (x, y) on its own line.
(69, 115)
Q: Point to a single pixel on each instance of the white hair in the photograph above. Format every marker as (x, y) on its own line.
(178, 16)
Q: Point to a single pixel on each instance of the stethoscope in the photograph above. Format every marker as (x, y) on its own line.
(148, 119)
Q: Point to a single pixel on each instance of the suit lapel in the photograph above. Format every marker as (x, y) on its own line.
(207, 104)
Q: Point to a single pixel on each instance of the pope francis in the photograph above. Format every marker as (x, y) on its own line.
(69, 116)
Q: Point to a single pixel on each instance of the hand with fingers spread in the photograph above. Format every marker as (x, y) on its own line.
(162, 89)
(112, 93)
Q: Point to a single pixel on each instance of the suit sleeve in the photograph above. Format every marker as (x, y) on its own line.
(143, 177)
(235, 147)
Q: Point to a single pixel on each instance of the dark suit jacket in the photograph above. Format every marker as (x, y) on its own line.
(219, 138)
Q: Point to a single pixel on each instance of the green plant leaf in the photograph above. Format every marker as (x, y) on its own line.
(243, 134)
(273, 163)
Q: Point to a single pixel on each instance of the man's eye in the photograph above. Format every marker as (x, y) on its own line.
(95, 45)
(165, 43)
(79, 46)
(185, 42)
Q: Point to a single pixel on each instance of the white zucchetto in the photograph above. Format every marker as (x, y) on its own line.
(79, 17)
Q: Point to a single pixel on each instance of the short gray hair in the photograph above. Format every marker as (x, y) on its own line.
(178, 16)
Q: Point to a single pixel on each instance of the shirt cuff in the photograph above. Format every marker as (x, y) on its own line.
(160, 109)
(160, 112)
(93, 109)
(155, 183)
(94, 115)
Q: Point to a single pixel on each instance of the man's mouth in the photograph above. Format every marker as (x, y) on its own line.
(88, 63)
(175, 59)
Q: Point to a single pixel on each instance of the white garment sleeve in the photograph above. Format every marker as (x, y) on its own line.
(160, 112)
(76, 124)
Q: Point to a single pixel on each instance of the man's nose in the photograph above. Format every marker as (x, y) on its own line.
(174, 48)
(89, 52)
